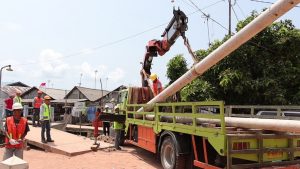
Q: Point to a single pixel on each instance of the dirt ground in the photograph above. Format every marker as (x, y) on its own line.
(130, 157)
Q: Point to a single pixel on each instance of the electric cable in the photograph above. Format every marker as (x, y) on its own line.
(116, 41)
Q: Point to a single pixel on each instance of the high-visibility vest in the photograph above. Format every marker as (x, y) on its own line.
(37, 102)
(18, 99)
(46, 111)
(157, 87)
(15, 131)
(118, 126)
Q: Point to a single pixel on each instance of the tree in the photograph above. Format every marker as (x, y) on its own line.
(265, 70)
(176, 67)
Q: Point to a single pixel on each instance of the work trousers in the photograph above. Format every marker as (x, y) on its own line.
(35, 117)
(45, 128)
(106, 125)
(9, 152)
(117, 138)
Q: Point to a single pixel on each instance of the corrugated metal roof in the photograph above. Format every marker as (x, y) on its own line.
(90, 94)
(53, 93)
(11, 90)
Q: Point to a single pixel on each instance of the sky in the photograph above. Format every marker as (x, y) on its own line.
(57, 41)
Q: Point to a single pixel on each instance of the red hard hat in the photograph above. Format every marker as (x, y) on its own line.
(40, 92)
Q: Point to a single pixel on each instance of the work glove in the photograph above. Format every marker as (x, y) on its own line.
(13, 142)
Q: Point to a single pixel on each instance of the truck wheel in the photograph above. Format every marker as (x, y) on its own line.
(168, 157)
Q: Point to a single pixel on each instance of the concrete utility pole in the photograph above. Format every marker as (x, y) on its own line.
(79, 84)
(257, 25)
(96, 78)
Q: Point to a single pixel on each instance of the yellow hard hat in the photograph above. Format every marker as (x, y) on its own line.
(153, 76)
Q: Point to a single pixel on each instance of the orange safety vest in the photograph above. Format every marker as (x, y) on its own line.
(37, 102)
(15, 131)
(157, 87)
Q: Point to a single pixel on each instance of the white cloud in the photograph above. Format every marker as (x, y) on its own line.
(9, 26)
(89, 70)
(116, 75)
(51, 63)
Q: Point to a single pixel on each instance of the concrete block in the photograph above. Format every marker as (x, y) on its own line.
(14, 163)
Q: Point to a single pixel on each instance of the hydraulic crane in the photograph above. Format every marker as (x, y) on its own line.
(176, 27)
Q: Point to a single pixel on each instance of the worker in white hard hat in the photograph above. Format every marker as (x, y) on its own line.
(157, 87)
(16, 128)
(106, 124)
(45, 118)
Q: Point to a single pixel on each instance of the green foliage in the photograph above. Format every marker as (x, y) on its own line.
(197, 90)
(176, 67)
(265, 70)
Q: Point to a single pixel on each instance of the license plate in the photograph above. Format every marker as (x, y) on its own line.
(272, 155)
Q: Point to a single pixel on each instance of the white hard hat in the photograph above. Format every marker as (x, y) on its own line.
(106, 106)
(17, 106)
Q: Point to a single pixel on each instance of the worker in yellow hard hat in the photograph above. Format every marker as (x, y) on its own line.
(157, 87)
(45, 118)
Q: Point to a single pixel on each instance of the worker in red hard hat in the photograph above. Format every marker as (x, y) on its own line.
(45, 118)
(157, 87)
(16, 128)
(37, 102)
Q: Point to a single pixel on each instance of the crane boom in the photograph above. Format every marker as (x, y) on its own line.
(176, 27)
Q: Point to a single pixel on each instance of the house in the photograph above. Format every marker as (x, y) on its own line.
(7, 91)
(113, 95)
(91, 95)
(55, 94)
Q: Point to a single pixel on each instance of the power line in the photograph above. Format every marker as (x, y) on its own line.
(206, 15)
(240, 9)
(119, 40)
(237, 18)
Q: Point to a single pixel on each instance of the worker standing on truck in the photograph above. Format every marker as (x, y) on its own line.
(37, 102)
(157, 87)
(16, 128)
(118, 127)
(45, 117)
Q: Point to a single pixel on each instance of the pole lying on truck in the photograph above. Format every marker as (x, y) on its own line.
(257, 25)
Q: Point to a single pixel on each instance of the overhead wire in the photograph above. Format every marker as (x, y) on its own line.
(119, 40)
(206, 15)
(244, 15)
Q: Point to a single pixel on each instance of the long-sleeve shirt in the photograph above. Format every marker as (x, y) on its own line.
(8, 103)
(42, 110)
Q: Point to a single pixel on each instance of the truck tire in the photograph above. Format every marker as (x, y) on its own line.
(168, 157)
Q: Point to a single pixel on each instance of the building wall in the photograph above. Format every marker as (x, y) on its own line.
(31, 94)
(76, 94)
